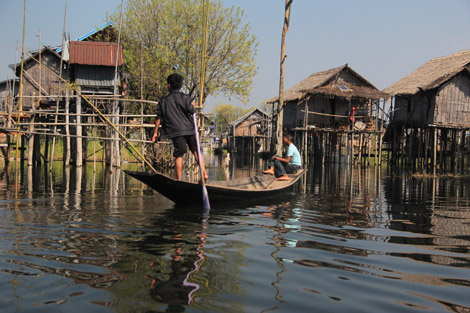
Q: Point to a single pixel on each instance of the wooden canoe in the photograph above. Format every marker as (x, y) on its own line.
(241, 189)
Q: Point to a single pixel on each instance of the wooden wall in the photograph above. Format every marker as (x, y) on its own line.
(294, 115)
(413, 110)
(246, 128)
(448, 106)
(49, 82)
(453, 103)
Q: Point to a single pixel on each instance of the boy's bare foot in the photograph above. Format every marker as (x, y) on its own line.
(283, 177)
(270, 171)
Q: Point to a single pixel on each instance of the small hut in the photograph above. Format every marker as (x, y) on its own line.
(250, 133)
(431, 113)
(93, 69)
(93, 66)
(329, 104)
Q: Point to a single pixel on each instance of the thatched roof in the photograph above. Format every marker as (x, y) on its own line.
(325, 83)
(431, 75)
(254, 114)
(353, 91)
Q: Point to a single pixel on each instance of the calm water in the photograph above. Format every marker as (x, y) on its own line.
(360, 241)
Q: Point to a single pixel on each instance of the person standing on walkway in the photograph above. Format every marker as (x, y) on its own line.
(174, 113)
(280, 167)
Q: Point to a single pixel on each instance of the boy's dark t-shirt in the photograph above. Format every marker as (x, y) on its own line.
(175, 111)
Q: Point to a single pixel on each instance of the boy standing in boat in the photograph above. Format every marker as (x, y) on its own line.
(280, 167)
(174, 113)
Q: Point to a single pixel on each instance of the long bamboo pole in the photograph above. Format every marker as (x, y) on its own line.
(205, 196)
(280, 114)
(20, 101)
(58, 91)
(115, 153)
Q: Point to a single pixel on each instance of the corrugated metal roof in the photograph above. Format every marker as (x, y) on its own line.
(96, 76)
(94, 53)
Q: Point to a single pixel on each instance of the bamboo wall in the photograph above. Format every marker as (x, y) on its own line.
(48, 83)
(453, 103)
(333, 112)
(247, 128)
(448, 106)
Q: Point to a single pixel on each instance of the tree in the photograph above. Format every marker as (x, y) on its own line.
(160, 37)
(227, 113)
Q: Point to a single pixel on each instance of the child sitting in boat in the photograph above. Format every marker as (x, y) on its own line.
(280, 167)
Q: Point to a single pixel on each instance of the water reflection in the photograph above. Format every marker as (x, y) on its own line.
(179, 256)
(357, 240)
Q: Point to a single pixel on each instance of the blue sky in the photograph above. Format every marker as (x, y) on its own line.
(383, 40)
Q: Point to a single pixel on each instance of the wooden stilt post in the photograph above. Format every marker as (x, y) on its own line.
(434, 157)
(94, 149)
(59, 92)
(67, 129)
(381, 135)
(46, 149)
(31, 136)
(426, 142)
(37, 149)
(115, 142)
(352, 147)
(361, 138)
(341, 147)
(462, 151)
(443, 141)
(23, 148)
(79, 141)
(306, 154)
(411, 143)
(453, 151)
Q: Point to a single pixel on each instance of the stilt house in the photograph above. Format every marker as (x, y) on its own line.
(333, 109)
(93, 66)
(251, 132)
(39, 84)
(437, 93)
(431, 114)
(326, 100)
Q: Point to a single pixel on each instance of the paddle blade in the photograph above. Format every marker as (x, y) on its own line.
(205, 199)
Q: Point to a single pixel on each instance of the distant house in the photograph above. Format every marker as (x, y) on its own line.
(252, 129)
(329, 97)
(8, 90)
(435, 94)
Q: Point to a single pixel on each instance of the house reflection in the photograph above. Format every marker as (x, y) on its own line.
(437, 209)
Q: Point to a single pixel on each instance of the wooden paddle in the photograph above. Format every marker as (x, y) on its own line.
(205, 195)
